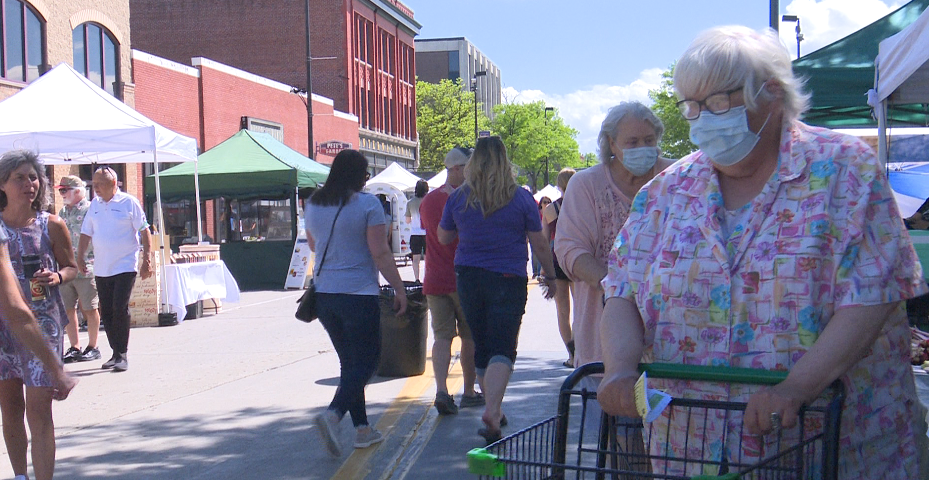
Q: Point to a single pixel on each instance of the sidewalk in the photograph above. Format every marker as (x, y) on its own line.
(232, 396)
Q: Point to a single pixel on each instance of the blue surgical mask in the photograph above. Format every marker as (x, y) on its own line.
(640, 160)
(725, 138)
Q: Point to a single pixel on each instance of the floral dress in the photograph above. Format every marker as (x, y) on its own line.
(824, 233)
(16, 361)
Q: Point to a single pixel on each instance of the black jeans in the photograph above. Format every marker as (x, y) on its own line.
(114, 293)
(354, 326)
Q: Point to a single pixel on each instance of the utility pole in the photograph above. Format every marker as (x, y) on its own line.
(311, 147)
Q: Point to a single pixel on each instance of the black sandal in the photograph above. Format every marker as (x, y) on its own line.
(490, 436)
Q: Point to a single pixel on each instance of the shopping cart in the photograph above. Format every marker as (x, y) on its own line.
(581, 443)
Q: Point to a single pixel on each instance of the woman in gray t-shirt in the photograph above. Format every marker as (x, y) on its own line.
(346, 229)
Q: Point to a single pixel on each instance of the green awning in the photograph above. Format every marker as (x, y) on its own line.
(839, 75)
(246, 165)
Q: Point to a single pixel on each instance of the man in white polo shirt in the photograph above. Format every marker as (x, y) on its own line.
(116, 225)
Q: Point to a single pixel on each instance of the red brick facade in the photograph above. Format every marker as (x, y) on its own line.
(363, 59)
(208, 101)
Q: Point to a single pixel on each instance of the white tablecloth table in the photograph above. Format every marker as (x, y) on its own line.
(188, 283)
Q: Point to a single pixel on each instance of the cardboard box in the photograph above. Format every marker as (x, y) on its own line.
(146, 296)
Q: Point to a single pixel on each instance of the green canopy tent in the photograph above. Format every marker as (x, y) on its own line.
(248, 166)
(839, 75)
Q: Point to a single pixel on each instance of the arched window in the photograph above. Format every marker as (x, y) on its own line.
(22, 41)
(96, 55)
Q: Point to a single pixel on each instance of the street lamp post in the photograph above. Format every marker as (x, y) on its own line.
(794, 18)
(309, 89)
(474, 89)
(547, 154)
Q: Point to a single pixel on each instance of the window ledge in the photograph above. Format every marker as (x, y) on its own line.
(11, 83)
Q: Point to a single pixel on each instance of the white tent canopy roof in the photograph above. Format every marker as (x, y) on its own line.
(395, 176)
(549, 191)
(68, 119)
(439, 179)
(901, 65)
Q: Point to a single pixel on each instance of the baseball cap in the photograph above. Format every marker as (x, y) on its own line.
(458, 156)
(70, 181)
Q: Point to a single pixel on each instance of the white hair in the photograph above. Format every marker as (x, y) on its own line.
(732, 57)
(614, 116)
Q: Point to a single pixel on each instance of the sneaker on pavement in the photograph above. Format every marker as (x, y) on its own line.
(111, 362)
(445, 404)
(122, 364)
(476, 400)
(328, 426)
(90, 353)
(366, 438)
(71, 356)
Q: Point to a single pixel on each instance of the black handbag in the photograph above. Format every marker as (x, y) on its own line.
(306, 310)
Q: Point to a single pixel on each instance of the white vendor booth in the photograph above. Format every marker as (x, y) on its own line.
(69, 120)
(395, 183)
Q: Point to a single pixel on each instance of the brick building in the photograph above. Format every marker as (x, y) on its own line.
(91, 35)
(362, 50)
(211, 101)
(440, 59)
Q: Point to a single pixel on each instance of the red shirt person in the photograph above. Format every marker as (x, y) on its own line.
(441, 293)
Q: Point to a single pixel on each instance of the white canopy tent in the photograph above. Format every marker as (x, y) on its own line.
(395, 176)
(438, 179)
(549, 191)
(69, 120)
(901, 74)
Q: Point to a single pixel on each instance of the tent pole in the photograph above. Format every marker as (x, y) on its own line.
(161, 229)
(197, 196)
(882, 133)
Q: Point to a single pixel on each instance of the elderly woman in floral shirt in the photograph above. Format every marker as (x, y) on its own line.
(776, 246)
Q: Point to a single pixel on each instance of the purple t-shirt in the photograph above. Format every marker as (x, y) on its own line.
(498, 242)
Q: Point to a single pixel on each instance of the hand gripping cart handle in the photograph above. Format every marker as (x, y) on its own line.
(685, 443)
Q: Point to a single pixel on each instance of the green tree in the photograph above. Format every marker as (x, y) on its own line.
(676, 141)
(444, 120)
(531, 139)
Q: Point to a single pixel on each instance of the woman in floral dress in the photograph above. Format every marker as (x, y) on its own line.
(32, 232)
(777, 246)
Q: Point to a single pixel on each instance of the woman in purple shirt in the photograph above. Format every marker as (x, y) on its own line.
(491, 218)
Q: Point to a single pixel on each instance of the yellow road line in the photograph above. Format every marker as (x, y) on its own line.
(357, 464)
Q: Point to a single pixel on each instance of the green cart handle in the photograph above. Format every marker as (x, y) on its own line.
(713, 374)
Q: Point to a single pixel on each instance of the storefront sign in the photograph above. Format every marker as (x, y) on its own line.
(332, 148)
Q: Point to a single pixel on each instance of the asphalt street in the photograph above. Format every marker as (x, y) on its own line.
(232, 396)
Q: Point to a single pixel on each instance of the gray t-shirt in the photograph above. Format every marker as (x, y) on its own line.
(349, 267)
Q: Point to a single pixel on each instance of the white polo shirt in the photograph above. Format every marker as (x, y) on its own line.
(114, 229)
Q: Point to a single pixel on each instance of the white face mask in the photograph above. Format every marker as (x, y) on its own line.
(639, 160)
(725, 138)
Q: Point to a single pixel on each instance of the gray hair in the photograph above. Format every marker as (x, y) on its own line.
(14, 159)
(614, 116)
(727, 58)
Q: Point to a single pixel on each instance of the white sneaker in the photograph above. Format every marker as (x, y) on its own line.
(367, 437)
(328, 426)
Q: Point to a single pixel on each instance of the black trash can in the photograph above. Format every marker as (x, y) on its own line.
(403, 338)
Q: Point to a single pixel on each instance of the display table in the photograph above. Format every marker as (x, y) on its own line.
(188, 283)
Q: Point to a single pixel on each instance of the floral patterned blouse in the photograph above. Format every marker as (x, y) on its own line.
(824, 233)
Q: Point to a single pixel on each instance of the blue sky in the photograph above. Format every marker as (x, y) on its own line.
(584, 56)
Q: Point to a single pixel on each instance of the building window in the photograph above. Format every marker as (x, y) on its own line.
(22, 41)
(454, 70)
(96, 55)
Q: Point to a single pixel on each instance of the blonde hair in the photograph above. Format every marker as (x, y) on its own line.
(489, 176)
(561, 181)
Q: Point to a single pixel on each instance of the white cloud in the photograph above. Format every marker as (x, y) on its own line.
(822, 22)
(825, 21)
(585, 109)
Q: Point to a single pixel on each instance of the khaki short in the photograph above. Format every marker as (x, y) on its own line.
(83, 289)
(448, 320)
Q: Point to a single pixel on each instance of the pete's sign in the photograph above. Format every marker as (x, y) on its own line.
(332, 148)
